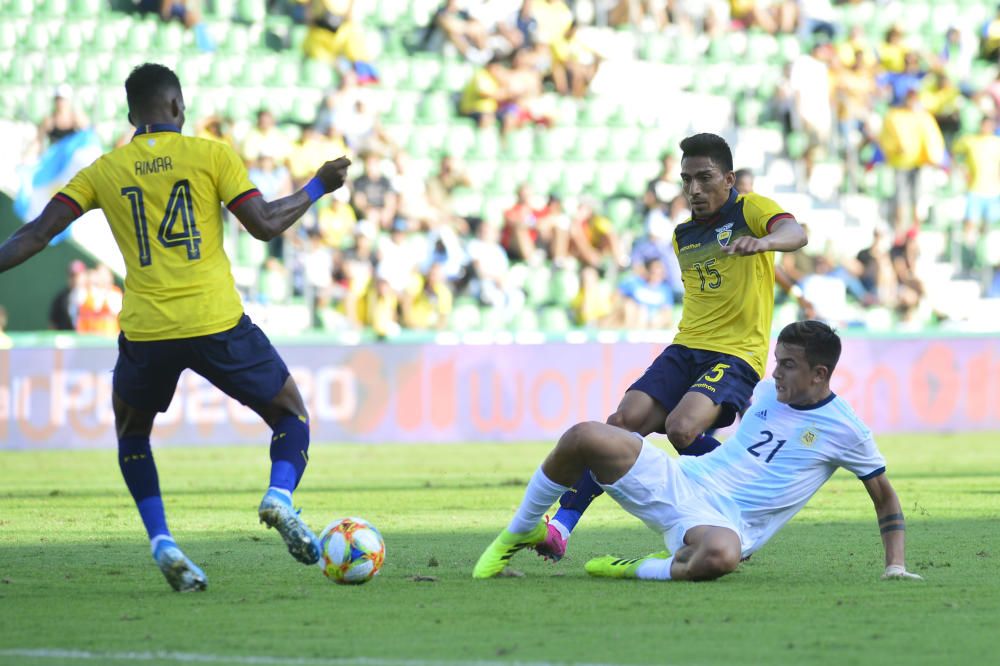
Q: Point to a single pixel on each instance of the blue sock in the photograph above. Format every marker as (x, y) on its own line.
(701, 445)
(135, 459)
(289, 452)
(576, 500)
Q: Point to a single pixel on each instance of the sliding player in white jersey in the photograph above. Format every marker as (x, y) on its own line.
(715, 509)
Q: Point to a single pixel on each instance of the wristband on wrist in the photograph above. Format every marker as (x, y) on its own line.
(315, 189)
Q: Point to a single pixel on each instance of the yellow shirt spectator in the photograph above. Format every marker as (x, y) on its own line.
(480, 94)
(911, 138)
(981, 155)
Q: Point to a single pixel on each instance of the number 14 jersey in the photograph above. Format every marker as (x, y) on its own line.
(780, 456)
(161, 194)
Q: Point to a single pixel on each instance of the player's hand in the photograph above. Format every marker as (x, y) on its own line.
(333, 174)
(899, 572)
(747, 245)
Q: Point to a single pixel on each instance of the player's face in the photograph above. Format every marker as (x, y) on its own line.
(794, 381)
(705, 185)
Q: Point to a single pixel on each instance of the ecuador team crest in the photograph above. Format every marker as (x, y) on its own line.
(724, 233)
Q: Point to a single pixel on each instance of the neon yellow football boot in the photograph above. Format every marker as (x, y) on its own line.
(495, 557)
(610, 566)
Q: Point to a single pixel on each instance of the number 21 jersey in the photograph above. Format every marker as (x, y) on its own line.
(161, 195)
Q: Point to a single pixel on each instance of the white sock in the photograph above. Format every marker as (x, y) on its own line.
(155, 541)
(655, 569)
(540, 494)
(281, 491)
(563, 530)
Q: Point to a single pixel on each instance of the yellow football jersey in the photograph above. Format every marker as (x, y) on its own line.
(728, 299)
(161, 195)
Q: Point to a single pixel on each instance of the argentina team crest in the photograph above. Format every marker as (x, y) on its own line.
(723, 234)
(808, 437)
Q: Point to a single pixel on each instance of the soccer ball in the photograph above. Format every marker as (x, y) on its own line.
(353, 551)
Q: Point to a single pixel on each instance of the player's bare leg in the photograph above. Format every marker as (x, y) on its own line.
(607, 450)
(135, 458)
(287, 416)
(692, 416)
(637, 412)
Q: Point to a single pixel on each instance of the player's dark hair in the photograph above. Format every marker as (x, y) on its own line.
(820, 342)
(712, 146)
(146, 85)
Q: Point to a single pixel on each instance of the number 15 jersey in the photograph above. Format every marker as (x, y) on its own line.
(161, 195)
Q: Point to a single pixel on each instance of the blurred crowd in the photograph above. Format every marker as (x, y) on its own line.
(393, 250)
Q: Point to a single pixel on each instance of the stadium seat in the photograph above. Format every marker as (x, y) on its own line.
(536, 285)
(460, 139)
(487, 145)
(251, 11)
(519, 144)
(554, 320)
(525, 320)
(620, 212)
(465, 316)
(52, 8)
(564, 286)
(436, 108)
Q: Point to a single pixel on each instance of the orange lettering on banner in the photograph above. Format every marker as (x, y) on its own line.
(495, 420)
(559, 421)
(980, 380)
(887, 401)
(373, 390)
(444, 394)
(6, 396)
(410, 393)
(583, 381)
(934, 384)
(51, 426)
(82, 401)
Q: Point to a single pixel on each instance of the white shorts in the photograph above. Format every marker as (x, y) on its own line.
(657, 492)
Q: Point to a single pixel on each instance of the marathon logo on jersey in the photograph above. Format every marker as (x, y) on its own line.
(724, 233)
(762, 414)
(808, 437)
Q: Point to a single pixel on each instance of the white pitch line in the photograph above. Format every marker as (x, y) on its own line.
(259, 660)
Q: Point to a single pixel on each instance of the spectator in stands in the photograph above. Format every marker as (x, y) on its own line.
(943, 100)
(66, 304)
(989, 45)
(99, 310)
(647, 298)
(574, 63)
(892, 51)
(487, 273)
(275, 282)
(520, 236)
(550, 20)
(657, 244)
(468, 35)
(980, 155)
(909, 287)
(335, 35)
(856, 44)
(771, 17)
(639, 13)
(898, 84)
(185, 11)
(311, 151)
(854, 92)
(911, 140)
(374, 198)
(810, 86)
(429, 300)
(957, 54)
(216, 128)
(64, 119)
(592, 237)
(411, 188)
(593, 305)
(827, 293)
(336, 221)
(354, 275)
(448, 178)
(266, 138)
(523, 87)
(665, 187)
(483, 95)
(875, 272)
(382, 311)
(398, 255)
(274, 182)
(744, 181)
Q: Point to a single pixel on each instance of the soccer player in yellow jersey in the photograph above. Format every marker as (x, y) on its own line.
(161, 194)
(706, 377)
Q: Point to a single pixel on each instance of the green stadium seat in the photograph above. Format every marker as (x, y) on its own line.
(564, 286)
(519, 144)
(554, 320)
(553, 143)
(453, 76)
(544, 176)
(56, 70)
(251, 11)
(37, 37)
(19, 8)
(536, 285)
(460, 139)
(621, 143)
(487, 145)
(88, 69)
(436, 108)
(169, 38)
(525, 320)
(426, 140)
(655, 48)
(607, 179)
(492, 319)
(392, 72)
(621, 212)
(796, 143)
(38, 104)
(465, 316)
(316, 74)
(138, 39)
(52, 9)
(423, 72)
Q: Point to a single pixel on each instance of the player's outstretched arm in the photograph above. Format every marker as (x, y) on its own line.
(32, 238)
(892, 526)
(786, 235)
(267, 219)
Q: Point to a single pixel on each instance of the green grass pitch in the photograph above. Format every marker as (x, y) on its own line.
(77, 584)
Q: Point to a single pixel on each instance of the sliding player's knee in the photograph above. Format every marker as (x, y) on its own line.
(681, 431)
(581, 439)
(718, 558)
(628, 418)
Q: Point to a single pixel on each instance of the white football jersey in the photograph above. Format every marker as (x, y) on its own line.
(780, 456)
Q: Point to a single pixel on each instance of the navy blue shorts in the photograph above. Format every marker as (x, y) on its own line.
(728, 380)
(241, 362)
